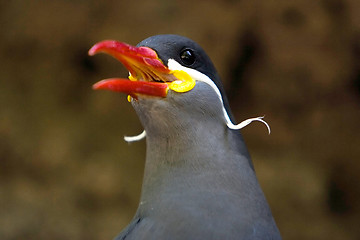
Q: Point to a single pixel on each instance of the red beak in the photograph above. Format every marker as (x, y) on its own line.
(149, 76)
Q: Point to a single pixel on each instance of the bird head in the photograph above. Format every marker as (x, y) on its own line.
(170, 77)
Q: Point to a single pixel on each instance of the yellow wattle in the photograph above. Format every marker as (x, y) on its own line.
(131, 78)
(184, 83)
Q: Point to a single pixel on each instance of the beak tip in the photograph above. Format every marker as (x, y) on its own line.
(102, 46)
(97, 85)
(92, 51)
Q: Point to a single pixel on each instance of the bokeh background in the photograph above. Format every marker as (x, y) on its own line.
(65, 171)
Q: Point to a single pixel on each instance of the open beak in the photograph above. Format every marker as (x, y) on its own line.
(148, 75)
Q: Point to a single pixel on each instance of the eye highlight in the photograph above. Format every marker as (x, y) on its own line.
(187, 56)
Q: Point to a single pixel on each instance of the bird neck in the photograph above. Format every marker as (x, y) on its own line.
(194, 159)
(190, 149)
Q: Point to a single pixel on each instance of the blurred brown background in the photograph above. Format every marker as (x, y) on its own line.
(65, 171)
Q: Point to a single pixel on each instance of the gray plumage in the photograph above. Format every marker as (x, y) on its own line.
(199, 182)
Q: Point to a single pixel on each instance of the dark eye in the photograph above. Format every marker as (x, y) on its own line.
(187, 56)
